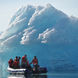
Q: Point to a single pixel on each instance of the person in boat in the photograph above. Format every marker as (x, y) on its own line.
(35, 64)
(10, 62)
(16, 63)
(35, 61)
(25, 62)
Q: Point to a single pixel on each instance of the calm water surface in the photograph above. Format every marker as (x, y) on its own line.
(54, 75)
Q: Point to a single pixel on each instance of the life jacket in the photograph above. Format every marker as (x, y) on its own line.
(35, 61)
(10, 62)
(23, 59)
(16, 63)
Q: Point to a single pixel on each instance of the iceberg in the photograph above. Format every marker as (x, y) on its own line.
(43, 31)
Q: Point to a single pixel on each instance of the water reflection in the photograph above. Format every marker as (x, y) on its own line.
(72, 75)
(27, 76)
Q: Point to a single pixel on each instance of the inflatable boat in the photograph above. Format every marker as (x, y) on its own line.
(19, 71)
(25, 71)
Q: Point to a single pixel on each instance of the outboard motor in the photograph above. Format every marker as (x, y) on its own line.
(43, 70)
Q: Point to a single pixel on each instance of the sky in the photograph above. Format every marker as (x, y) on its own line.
(9, 7)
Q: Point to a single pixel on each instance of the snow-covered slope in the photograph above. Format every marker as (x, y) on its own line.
(46, 32)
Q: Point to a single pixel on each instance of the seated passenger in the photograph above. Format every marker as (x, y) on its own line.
(10, 62)
(35, 64)
(24, 62)
(35, 61)
(16, 63)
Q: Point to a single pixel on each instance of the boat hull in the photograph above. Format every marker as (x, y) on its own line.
(17, 71)
(26, 71)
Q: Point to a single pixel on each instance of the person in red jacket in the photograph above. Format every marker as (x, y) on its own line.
(24, 62)
(35, 61)
(10, 62)
(35, 64)
(16, 62)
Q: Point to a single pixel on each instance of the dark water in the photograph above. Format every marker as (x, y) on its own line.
(72, 75)
(54, 75)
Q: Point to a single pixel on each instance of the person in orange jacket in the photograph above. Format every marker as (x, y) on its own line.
(10, 62)
(24, 62)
